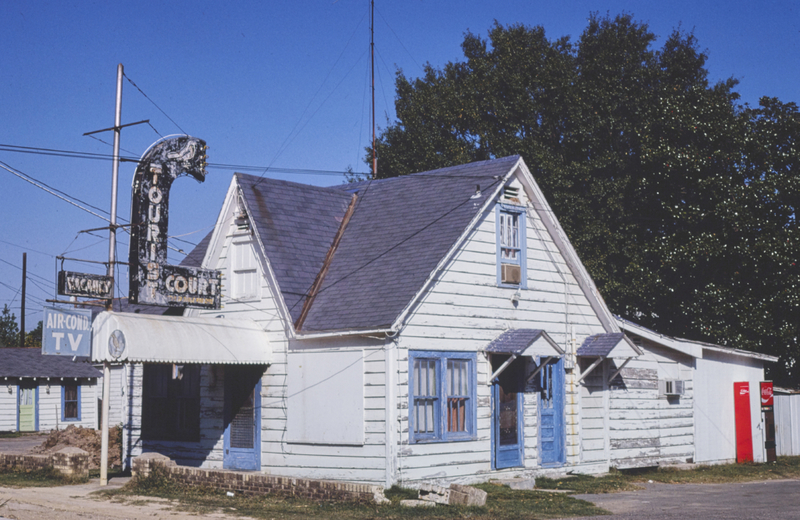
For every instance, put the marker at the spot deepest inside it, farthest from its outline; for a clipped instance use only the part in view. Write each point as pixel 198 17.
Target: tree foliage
pixel 680 202
pixel 9 330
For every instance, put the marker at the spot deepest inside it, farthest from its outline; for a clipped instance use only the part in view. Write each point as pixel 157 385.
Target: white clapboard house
pixel 436 326
pixel 44 393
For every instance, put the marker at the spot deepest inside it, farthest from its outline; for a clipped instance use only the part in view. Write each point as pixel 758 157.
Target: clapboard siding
pixel 646 429
pixel 8 406
pixel 464 310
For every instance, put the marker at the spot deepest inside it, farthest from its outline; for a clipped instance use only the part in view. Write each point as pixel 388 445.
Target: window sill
pixel 440 441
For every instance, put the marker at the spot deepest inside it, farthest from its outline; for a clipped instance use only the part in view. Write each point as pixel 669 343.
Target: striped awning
pixel 148 338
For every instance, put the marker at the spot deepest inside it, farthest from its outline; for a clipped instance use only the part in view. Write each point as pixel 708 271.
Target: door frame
pixel 35 386
pixel 519 448
pixel 242 458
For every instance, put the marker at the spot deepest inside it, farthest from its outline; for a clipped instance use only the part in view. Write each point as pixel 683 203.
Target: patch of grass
pixel 626 480
pixel 10 435
pixel 581 484
pixel 785 467
pixel 38 478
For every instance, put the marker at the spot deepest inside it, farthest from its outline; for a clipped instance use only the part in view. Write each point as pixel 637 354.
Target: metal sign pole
pixel 112 244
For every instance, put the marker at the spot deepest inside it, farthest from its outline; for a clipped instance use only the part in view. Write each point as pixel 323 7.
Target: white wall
pixel 8 405
pixel 787 424
pixel 713 405
pixel 464 311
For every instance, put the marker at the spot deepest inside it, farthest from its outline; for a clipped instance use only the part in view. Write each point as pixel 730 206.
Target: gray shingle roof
pixel 401 229
pixel 29 362
pixel 297 224
pixel 196 255
pixel 514 341
pixel 600 344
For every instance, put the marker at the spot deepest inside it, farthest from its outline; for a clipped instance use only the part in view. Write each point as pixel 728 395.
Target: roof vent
pixel 511 194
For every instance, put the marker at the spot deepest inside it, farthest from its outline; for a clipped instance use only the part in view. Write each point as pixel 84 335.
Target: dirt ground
pixel 86 439
pixel 78 503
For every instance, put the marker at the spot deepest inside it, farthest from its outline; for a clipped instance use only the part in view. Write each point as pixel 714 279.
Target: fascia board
pixel 490 201
pixel 564 246
pixel 659 339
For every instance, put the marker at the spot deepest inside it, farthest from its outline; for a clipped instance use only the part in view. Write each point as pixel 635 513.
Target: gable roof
pixel 368 260
pixel 519 341
pixel 30 362
pixel 689 347
pixel 296 224
pixel 613 344
pixel 400 230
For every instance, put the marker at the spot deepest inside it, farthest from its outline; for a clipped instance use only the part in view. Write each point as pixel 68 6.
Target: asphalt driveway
pixel 768 500
pixel 23 444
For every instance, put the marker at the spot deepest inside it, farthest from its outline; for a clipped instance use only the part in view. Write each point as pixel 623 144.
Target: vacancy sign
pixel 67 332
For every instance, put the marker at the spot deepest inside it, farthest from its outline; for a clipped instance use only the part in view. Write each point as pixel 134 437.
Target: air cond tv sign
pixel 67 332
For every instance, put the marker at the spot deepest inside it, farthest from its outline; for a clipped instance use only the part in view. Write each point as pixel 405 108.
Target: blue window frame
pixel 442 404
pixel 511 250
pixel 71 401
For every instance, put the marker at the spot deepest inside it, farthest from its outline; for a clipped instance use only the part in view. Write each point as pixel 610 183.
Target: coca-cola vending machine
pixel 769 420
pixel 744 432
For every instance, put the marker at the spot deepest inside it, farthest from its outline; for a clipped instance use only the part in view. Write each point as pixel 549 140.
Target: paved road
pixel 21 445
pixel 770 500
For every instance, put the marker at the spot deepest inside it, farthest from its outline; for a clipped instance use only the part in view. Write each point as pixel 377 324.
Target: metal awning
pixel 535 343
pixel 614 345
pixel 177 339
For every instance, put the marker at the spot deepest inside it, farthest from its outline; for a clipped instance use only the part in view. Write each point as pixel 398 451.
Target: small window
pixel 442 396
pixel 71 402
pixel 171 402
pixel 244 272
pixel 510 247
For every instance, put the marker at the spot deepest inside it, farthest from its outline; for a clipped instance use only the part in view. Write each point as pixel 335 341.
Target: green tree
pixel 653 171
pixel 33 339
pixel 9 330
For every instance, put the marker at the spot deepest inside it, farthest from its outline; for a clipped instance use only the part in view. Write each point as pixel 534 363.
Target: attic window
pixel 511 254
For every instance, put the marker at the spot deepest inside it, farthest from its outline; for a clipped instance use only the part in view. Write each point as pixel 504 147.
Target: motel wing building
pixel 436 326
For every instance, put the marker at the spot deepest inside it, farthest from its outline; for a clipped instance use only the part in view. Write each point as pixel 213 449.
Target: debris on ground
pixel 454 495
pixel 86 439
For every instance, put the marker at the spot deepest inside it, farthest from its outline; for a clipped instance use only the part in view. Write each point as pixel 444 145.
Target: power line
pixel 218 166
pixel 154 104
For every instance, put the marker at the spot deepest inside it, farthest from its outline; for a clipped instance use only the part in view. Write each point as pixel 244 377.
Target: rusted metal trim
pixel 315 287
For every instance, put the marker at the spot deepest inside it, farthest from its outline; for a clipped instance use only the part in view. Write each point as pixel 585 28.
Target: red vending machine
pixel 744 431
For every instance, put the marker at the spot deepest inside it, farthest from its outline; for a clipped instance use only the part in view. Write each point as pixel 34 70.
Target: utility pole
pixel 372 52
pixel 112 246
pixel 22 312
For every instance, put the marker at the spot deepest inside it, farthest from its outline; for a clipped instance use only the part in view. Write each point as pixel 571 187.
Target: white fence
pixel 787 424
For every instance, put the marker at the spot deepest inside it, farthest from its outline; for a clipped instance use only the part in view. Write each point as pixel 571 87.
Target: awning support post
pixel 591 367
pixel 615 374
pixel 501 369
pixel 539 368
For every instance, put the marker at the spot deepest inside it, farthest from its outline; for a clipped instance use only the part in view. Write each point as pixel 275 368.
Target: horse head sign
pixel 152 280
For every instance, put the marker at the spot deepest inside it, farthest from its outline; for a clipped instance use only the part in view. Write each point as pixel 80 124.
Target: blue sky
pixel 281 84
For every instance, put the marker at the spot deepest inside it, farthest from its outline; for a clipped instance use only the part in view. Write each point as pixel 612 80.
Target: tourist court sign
pixel 151 280
pixel 67 332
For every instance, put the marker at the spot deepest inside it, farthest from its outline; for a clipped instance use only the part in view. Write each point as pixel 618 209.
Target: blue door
pixel 242 443
pixel 551 414
pixel 507 410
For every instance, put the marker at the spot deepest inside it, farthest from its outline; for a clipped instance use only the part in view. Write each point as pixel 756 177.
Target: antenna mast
pixel 372 52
